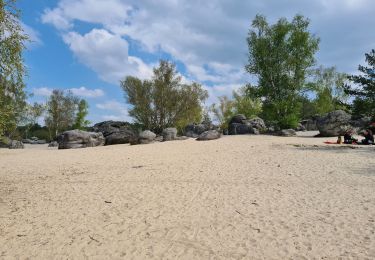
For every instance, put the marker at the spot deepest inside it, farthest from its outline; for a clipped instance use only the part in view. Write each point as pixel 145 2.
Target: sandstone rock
pixel 115 132
pixel 334 123
pixel 169 134
pixel 209 135
pixel 80 139
pixel 53 144
pixel 16 145
pixel 238 119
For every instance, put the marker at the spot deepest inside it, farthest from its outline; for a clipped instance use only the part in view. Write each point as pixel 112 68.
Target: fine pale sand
pixel 239 197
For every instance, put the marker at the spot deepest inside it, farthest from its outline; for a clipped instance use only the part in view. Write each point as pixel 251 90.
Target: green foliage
pixel 61 111
pixel 223 111
pixel 244 104
pixel 280 56
pixel 364 92
pixel 80 121
pixel 31 115
pixel 12 69
pixel 164 101
pixel 328 86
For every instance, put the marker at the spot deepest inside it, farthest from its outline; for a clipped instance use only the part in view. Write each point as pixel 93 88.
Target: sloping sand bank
pixel 239 197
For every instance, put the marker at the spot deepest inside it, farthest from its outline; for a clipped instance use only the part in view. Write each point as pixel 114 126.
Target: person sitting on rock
pixel 348 137
pixel 369 137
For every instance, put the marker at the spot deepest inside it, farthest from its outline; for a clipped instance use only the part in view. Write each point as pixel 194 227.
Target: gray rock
pixel 115 132
pixel 194 130
pixel 80 139
pixel 146 137
pixel 41 142
pixel 287 132
pixel 334 123
pixel 16 145
pixel 238 119
pixel 240 129
pixel 209 135
pixel 53 144
pixel 257 123
pixel 27 141
pixel 169 134
pixel 181 138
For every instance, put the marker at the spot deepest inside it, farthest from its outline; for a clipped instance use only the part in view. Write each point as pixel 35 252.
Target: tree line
pixel 290 85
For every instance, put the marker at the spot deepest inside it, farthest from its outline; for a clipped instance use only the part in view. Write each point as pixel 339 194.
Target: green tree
pixel 244 104
pixel 31 115
pixel 364 91
pixel 80 119
pixel 12 69
pixel 328 86
pixel 164 101
pixel 61 111
pixel 280 55
pixel 223 111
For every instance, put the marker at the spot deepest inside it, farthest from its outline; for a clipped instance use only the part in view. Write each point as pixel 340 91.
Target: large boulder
pixel 80 139
pixel 334 123
pixel 309 124
pixel 194 130
pixel 146 137
pixel 238 119
pixel 257 123
pixel 240 129
pixel 115 132
pixel 16 145
pixel 169 134
pixel 209 135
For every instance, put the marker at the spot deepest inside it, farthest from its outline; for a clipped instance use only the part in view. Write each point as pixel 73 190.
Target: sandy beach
pixel 239 197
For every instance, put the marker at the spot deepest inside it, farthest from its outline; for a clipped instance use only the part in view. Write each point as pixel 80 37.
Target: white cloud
pixel 84 92
pixel 106 54
pixel 118 111
pixel 44 92
pixel 208 37
pixel 34 36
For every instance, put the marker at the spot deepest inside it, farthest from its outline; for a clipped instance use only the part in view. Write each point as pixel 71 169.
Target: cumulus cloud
pixel 106 54
pixel 208 37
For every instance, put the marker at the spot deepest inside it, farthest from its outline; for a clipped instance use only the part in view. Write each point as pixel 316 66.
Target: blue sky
pixel 88 46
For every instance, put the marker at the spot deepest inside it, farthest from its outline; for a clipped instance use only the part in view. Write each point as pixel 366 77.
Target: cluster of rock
pixel 195 130
pixel 6 142
pixel 240 125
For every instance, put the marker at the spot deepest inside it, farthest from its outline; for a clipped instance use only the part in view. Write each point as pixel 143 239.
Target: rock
pixel 53 144
pixel 334 123
pixel 194 130
pixel 169 134
pixel 115 132
pixel 146 137
pixel 159 138
pixel 41 142
pixel 240 129
pixel 16 145
pixel 238 119
pixel 27 141
pixel 287 132
pixel 80 139
pixel 209 135
pixel 257 123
